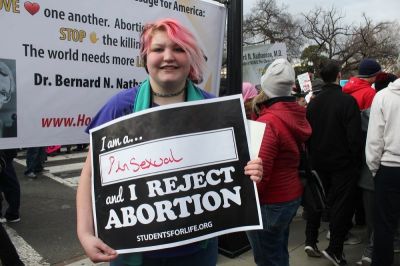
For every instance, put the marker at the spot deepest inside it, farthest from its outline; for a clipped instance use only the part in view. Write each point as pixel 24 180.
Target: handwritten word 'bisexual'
pixel 117 166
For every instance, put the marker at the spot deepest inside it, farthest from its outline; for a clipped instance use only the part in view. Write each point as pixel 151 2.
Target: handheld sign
pixel 305 82
pixel 173 175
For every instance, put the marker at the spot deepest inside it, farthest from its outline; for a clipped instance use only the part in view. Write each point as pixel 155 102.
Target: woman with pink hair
pixel 175 64
pixel 249 91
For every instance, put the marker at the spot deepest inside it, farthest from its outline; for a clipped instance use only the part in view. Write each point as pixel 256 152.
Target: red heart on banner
pixel 32 8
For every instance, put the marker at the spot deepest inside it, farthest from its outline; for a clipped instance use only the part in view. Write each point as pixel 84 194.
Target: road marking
pixel 27 254
pixel 53 170
pixel 71 182
pixel 64 167
pixel 61 157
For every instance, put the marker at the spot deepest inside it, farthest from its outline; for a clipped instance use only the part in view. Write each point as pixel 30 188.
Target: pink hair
pixel 182 37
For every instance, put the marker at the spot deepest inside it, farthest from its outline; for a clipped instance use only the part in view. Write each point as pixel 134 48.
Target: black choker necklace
pixel 166 95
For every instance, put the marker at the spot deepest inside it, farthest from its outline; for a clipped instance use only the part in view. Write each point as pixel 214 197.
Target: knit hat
pixel 278 79
pixel 248 91
pixel 368 68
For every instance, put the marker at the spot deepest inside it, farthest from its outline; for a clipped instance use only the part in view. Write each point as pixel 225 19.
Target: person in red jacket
pixel 360 87
pixel 280 189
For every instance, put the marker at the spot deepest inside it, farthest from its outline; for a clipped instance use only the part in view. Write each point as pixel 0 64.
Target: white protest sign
pixel 256 59
pixel 156 186
pixel 69 57
pixel 305 82
pixel 256 130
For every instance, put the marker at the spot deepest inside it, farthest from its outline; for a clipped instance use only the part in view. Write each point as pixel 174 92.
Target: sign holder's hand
pixel 254 169
pixel 97 250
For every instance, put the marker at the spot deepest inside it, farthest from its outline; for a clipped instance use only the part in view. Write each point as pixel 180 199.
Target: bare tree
pixel 269 23
pixel 376 40
pixel 350 44
pixel 326 29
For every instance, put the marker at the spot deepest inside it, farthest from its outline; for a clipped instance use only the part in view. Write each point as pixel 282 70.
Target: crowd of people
pixel 349 150
pixel 352 148
pixel 349 133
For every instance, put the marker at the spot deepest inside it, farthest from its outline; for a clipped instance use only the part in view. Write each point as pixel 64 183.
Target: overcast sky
pixel 378 10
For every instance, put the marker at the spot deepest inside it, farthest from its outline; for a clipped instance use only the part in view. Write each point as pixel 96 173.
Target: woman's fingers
pixel 254 169
pixel 97 250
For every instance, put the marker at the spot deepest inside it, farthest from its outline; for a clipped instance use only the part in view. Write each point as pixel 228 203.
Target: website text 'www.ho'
pixel 81 120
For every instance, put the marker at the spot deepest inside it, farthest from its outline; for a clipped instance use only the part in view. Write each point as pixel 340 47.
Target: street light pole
pixel 234 244
pixel 234 46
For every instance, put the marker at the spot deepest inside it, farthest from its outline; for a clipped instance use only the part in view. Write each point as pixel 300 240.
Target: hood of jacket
pixel 292 115
pixel 394 87
pixel 356 84
pixel 361 90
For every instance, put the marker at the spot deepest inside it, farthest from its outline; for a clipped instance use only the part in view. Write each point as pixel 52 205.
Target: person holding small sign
pixel 280 190
pixel 174 63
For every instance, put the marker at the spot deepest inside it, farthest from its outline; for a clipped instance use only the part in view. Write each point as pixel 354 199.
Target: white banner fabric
pixel 69 57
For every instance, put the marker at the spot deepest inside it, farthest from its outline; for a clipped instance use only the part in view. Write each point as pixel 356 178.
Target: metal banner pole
pixel 234 47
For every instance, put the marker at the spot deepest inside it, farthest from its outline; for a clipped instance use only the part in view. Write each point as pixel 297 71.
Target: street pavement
pixel 46 234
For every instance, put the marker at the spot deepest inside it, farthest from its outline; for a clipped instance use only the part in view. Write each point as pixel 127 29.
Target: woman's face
pixel 167 63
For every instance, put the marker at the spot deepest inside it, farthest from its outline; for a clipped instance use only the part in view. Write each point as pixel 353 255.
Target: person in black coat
pixel 335 149
pixel 10 187
pixel 8 253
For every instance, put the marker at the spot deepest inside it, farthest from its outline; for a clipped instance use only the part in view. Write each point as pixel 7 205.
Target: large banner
pixel 60 61
pixel 256 59
pixel 173 175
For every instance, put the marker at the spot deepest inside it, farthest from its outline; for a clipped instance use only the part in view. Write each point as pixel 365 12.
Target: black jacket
pixel 8 154
pixel 336 140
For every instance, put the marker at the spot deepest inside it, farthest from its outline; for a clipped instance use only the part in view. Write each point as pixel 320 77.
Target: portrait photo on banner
pixel 8 98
